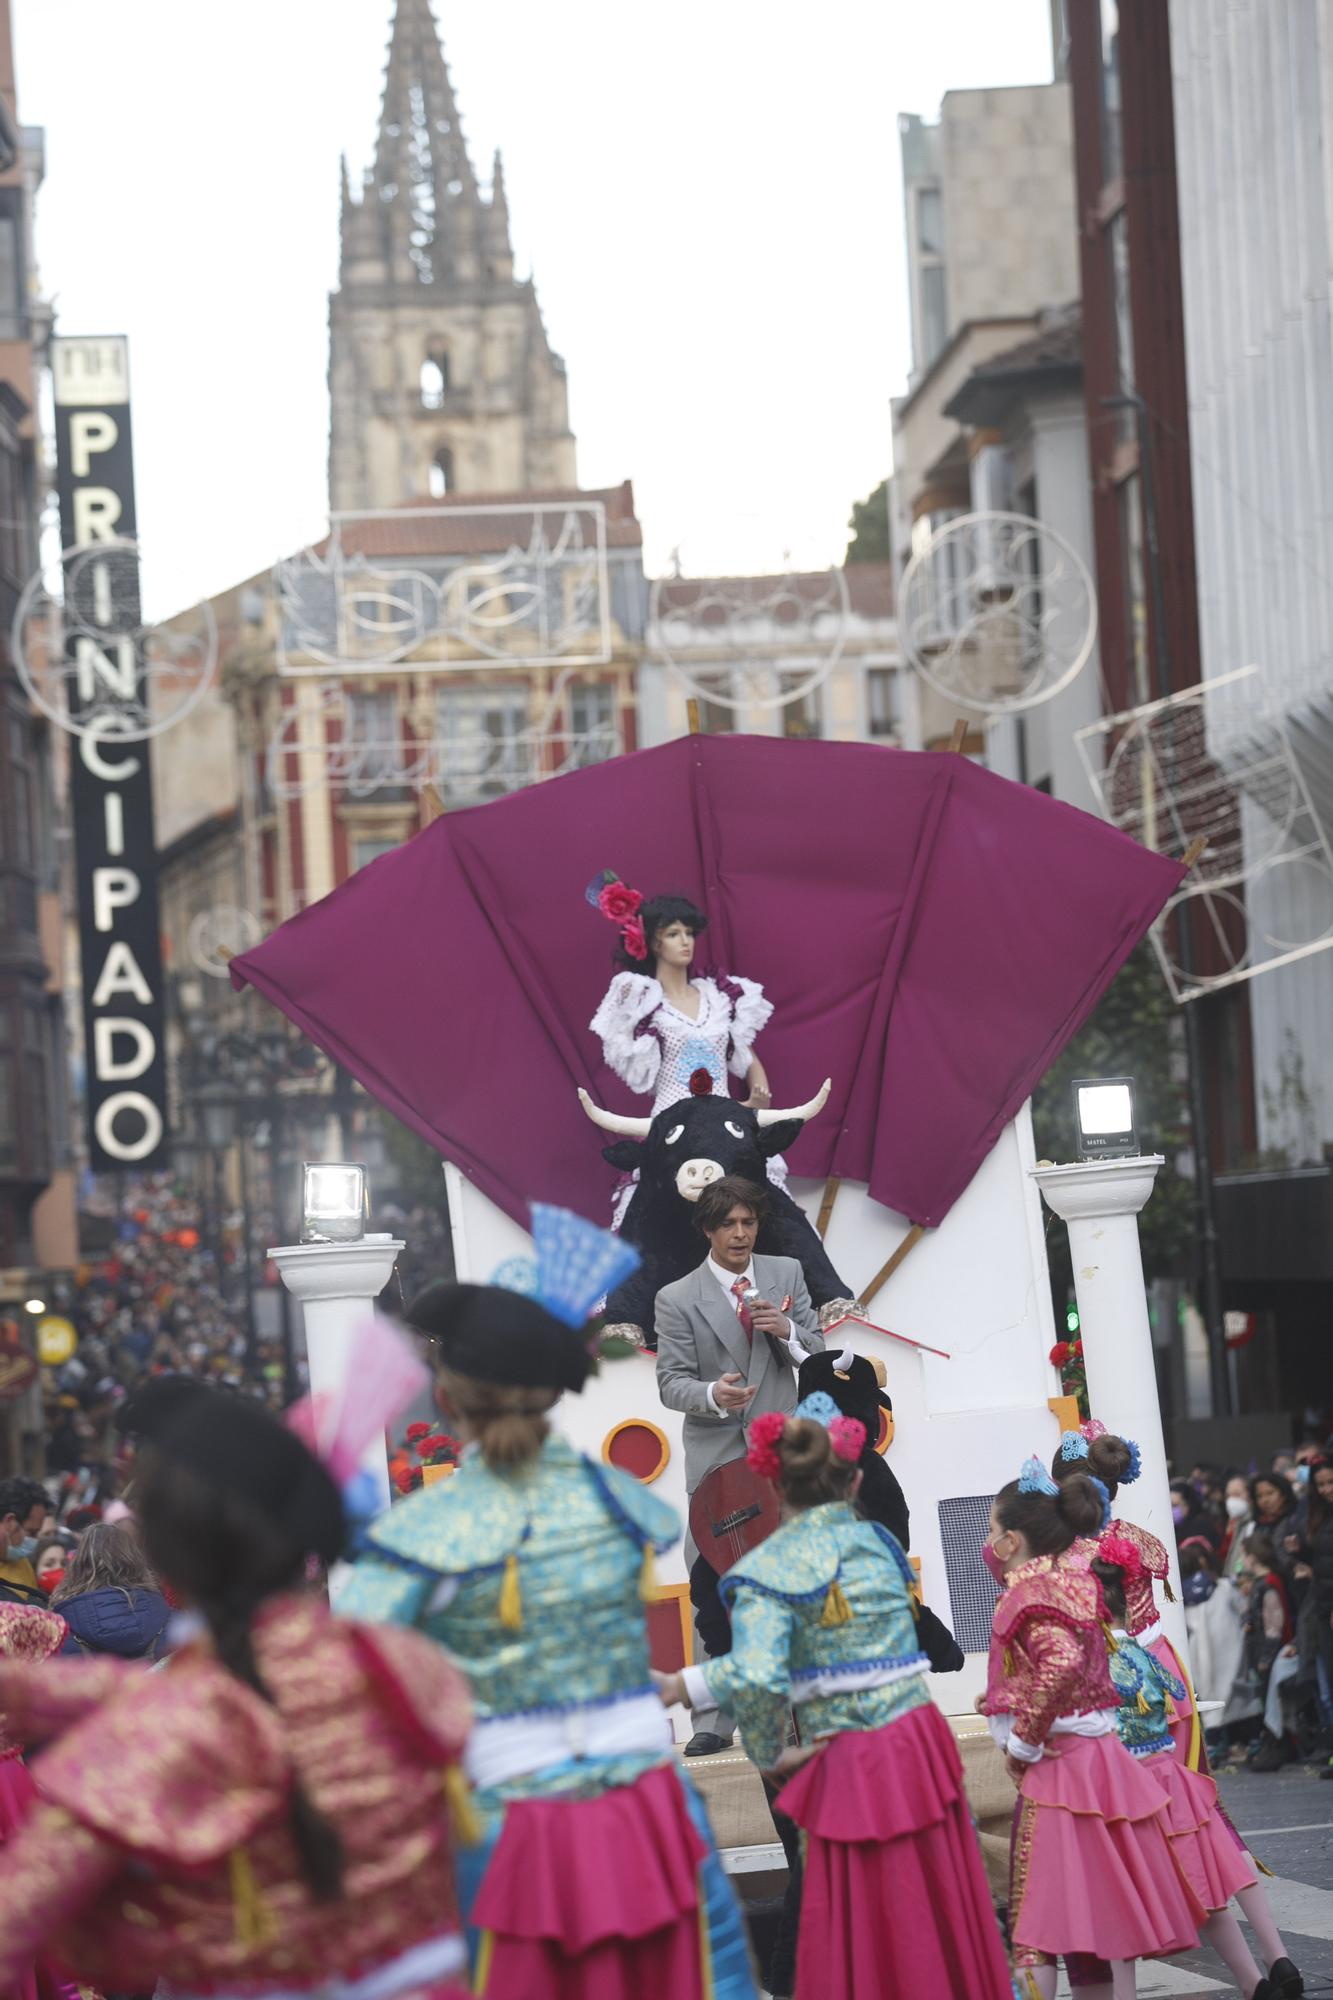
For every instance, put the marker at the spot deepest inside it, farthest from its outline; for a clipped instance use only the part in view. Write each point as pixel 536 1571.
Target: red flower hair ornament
pixel 762 1444
pixel 1121 1552
pixel 619 904
pixel 847 1435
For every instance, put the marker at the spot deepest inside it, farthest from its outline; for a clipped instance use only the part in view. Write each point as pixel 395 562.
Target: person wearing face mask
pixel 23 1508
pixel 1088 1816
pixel 53 1553
pixel 1240 1520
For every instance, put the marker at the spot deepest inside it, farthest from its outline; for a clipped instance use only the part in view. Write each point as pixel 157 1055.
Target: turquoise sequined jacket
pixel 1147 1692
pixel 570 1535
pixel 821 1566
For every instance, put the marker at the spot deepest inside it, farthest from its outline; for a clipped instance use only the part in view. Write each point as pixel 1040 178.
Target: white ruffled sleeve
pixel 750 1013
pixel 621 1021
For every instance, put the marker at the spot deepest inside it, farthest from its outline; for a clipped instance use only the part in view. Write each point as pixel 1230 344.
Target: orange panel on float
pixel 637 1447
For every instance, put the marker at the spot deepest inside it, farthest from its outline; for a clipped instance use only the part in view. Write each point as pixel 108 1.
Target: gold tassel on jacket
pixel 511 1597
pixel 253 1920
pixel 837 1611
pixel 1169 1593
pixel 1008 1660
pixel 463 1817
pixel 648 1575
pixel 1142 1704
pixel 1112 1643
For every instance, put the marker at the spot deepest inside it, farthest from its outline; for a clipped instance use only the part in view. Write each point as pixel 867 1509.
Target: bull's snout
pixel 693 1176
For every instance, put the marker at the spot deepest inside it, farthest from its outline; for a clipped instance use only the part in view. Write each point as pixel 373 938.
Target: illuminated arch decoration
pixel 637 1447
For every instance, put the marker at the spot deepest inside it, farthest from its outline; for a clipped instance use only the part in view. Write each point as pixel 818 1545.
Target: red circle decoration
pixel 637 1447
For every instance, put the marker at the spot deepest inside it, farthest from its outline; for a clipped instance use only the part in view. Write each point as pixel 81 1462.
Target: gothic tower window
pixel 434 381
pixel 442 473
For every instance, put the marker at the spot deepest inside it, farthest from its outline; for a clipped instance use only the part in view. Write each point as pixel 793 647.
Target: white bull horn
pixel 614 1121
pixel 809 1110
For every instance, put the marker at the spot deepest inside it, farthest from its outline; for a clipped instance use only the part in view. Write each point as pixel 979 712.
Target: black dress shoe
pixel 1285 1980
pixel 704 1743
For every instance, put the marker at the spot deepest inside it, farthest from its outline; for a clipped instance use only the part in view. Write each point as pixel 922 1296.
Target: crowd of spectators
pixel 1256 1561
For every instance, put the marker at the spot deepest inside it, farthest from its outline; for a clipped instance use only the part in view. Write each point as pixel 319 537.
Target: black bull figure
pixel 677 1155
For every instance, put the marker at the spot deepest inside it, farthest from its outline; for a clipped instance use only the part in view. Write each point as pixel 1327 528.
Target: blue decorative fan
pixel 576 1262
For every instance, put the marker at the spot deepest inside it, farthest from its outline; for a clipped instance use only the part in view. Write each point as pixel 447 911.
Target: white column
pixel 1099 1202
pixel 337 1283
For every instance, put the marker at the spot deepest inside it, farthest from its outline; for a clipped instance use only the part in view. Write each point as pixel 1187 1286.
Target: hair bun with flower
pixel 1120 1552
pixel 761 1453
pixel 620 905
pixel 1135 1466
pixel 1073 1445
pixel 847 1435
pixel 1093 1428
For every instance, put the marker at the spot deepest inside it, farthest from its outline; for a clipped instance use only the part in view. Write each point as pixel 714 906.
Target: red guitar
pixel 731 1510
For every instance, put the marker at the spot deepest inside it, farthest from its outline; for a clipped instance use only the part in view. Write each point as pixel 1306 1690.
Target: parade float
pixel 930 937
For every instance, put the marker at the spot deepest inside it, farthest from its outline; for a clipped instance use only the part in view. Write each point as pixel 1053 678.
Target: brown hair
pixel 1112 1580
pixel 106 1556
pixel 812 1474
pixel 1051 1522
pixel 1109 1459
pixel 716 1202
pixel 508 1423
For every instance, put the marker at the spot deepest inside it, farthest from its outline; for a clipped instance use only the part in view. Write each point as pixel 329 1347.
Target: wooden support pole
pixel 881 1278
pixel 1194 850
pixel 692 715
pixel 959 737
pixel 831 1186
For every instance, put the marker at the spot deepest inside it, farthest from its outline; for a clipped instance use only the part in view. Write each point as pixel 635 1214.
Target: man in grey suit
pixel 729 1339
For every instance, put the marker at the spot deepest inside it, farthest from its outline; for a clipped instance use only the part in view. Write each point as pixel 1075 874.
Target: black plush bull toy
pixel 677 1154
pixel 852 1381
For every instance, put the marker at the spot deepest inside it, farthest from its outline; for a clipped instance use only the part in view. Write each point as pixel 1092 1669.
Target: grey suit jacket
pixel 700 1338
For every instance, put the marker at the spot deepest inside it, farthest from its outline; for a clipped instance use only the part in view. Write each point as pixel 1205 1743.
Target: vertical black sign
pixel 111 782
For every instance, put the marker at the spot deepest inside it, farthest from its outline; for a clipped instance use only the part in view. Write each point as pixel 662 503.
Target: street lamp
pixel 333 1201
pixel 1104 1118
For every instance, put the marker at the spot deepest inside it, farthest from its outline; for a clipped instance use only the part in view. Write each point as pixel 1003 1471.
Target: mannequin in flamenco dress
pixel 1113 1462
pixel 1087 1812
pixel 894 1896
pixel 659 1026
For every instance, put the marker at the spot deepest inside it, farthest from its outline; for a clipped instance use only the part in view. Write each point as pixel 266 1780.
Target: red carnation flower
pixel 701 1083
pixel 633 939
pixel 405 1480
pixel 424 1447
pixel 619 902
pixel 415 1431
pixel 1077 1350
pixel 762 1440
pixel 1060 1353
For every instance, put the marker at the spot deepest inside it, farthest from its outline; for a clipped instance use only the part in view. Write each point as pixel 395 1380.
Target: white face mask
pixel 1237 1506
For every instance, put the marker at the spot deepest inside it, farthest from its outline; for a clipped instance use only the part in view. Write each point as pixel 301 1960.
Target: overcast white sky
pixel 708 192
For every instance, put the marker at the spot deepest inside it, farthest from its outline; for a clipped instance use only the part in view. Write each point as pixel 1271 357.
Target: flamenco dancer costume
pixel 595 1876
pixel 31 1635
pixel 894 1898
pixel 163 1847
pixel 1092 1868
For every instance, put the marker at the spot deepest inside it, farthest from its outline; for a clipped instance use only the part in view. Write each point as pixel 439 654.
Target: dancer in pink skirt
pixel 823 1621
pixel 1202 1844
pixel 33 1635
pixel 1113 1462
pixel 1092 1868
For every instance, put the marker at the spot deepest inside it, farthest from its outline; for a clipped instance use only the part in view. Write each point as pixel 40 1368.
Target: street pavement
pixel 1287 1821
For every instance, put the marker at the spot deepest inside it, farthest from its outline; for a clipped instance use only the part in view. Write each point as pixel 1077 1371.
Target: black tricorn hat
pixel 493 1335
pixel 236 1448
pixel 851 1381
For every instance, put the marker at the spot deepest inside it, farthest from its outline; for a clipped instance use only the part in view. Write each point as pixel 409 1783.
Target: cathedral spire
pixel 499 254
pixel 422 179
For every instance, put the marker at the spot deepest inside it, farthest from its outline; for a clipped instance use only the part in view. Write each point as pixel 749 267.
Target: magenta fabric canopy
pixel 931 936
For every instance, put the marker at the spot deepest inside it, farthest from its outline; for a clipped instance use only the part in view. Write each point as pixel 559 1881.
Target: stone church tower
pixel 441 377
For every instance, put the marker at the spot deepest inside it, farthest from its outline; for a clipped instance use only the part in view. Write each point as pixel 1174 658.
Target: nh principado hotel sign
pixel 111 782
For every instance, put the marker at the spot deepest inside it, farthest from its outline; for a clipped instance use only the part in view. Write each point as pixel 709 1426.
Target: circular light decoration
pixel 56 1340
pixel 92 664
pixel 997 612
pixel 218 935
pixel 637 1447
pixel 746 642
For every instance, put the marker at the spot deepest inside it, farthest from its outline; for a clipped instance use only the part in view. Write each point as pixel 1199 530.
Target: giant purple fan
pixel 931 936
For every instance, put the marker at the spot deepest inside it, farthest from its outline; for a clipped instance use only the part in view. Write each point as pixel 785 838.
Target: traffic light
pixel 1072 1321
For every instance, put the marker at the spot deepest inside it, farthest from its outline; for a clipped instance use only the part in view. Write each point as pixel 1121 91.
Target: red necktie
pixel 739 1289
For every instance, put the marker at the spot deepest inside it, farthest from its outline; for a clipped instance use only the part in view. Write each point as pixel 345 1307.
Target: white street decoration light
pixel 1104 1117
pixel 333 1201
pixel 750 641
pixel 95 669
pixel 997 612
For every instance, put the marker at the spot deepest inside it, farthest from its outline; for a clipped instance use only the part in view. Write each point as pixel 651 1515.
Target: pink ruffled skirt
pixel 1183 1728
pixel 894 1898
pixel 1093 1868
pixel 595 1899
pixel 1203 1844
pixel 17 1792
